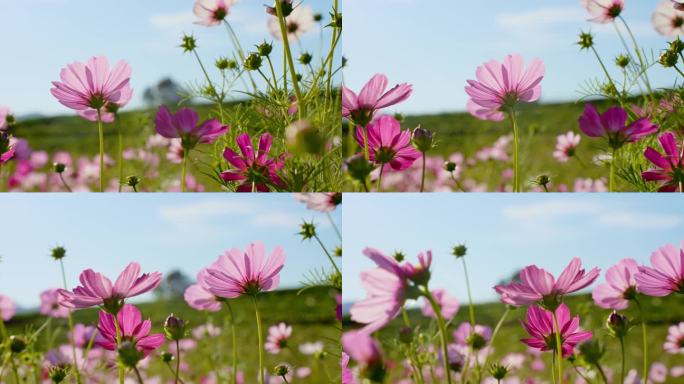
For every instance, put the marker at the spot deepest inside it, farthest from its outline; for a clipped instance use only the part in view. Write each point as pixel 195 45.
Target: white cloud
pixel 276 219
pixel 204 210
pixel 549 209
pixel 538 18
pixel 638 220
pixel 173 21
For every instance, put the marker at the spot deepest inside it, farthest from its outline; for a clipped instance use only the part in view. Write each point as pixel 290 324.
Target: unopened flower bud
pixel 318 17
pixel 188 43
pixel 17 343
pixel 498 371
pixel 449 166
pixel 542 180
pixel 421 139
pixel 586 40
pixel 129 355
pixel 58 374
pixel 337 252
pixel 359 168
pixel 618 325
pixel 677 46
pixel 58 253
pixel 668 59
pixel 252 62
pixel 591 351
pixel 459 250
pixel 305 58
pixel 222 63
pixel 622 61
pixel 307 230
pixel 174 327
pixel 264 48
pixel 281 370
pixel 167 357
pixel 399 256
pixel 132 181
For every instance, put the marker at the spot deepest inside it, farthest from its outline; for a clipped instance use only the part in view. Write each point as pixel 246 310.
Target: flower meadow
pixel 254 121
pixel 543 331
pixel 232 324
pixel 624 134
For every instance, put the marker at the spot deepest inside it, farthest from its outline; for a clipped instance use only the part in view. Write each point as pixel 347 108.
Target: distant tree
pixel 173 286
pixel 167 91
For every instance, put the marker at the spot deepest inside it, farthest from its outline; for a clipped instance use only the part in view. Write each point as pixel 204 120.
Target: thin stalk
pixel 442 332
pixel 365 143
pixel 559 349
pixel 238 47
pixel 87 350
pixel 332 222
pixel 644 338
pixel 553 368
pixel 327 253
pixel 233 334
pixel 206 75
pixel 118 341
pixel 137 374
pixel 641 60
pixel 64 183
pixel 622 363
pixel 288 55
pixel 583 376
pixel 422 177
pixel 178 359
pixel 71 325
pixel 184 169
pixel 15 370
pixel 101 130
pixel 516 160
pixel 285 379
pixel 270 64
pixel 678 70
pixel 605 70
pixel 471 307
pixel 611 180
pixel 602 373
pixel 378 188
pixel 496 332
pixel 332 52
pixel 120 157
pixel 259 334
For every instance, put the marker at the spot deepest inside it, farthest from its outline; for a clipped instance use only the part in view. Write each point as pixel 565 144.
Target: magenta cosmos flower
pixel 612 125
pixel 388 144
pixel 565 146
pixel 603 11
pixel 97 289
pixel 6 118
pixel 669 166
pixel 385 296
pixel 668 19
pixel 132 328
pixel 185 125
pixel 50 304
pixel 372 98
pixel 92 87
pixel 6 148
pixel 211 12
pixel 620 286
pixel 539 286
pixel 254 170
pixel 277 338
pixel 674 343
pixel 666 273
pixel 362 348
pixel 448 304
pixel 477 336
pixel 501 86
pixel 238 273
pixel 539 325
pixel 199 297
pixel 321 202
pixel 347 374
pixel 7 308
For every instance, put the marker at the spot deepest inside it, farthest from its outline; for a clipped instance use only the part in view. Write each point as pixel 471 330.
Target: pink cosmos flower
pixel 463 335
pixel 299 22
pixel 97 289
pixel 132 328
pixel 500 86
pixel 620 286
pixel 255 170
pixel 238 273
pixel 92 87
pixel 277 338
pixel 603 11
pixel 5 118
pixel 565 146
pixel 669 166
pixel 206 330
pixel 321 202
pixel 612 125
pixel 362 348
pixel 82 334
pixel 211 12
pixel 184 125
pixel 539 324
pixel 311 348
pixel 199 297
pixel 385 296
pixel 657 373
pixel 668 19
pixel 388 144
pixel 6 148
pixel 537 285
pixel 448 304
pixel 666 273
pixel 362 108
pixel 674 343
pixel 50 304
pixel 7 308
pixel 347 374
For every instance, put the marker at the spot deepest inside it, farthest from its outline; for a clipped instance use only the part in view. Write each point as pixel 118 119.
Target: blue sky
pixel 505 232
pixel 437 44
pixel 161 231
pixel 42 36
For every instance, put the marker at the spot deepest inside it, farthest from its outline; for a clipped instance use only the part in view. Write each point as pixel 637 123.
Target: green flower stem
pixel 288 56
pixel 64 183
pixel 15 370
pixel 259 334
pixel 559 349
pixel 553 368
pixel 442 332
pixel 641 59
pixel 178 359
pixel 422 176
pixel 378 188
pixel 471 307
pixel 118 341
pixel 327 253
pixel 516 160
pixel 270 64
pixel 365 142
pixel 238 47
pixel 87 350
pixel 332 223
pixel 138 375
pixel 71 326
pixel 233 335
pixel 184 169
pixel 644 337
pixel 622 363
pixel 206 76
pixel 120 158
pixel 495 333
pixel 332 52
pixel 605 70
pixel 611 180
pixel 599 368
pixel 101 131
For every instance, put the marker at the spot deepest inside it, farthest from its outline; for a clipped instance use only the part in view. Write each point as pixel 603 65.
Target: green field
pixel 661 313
pixel 311 315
